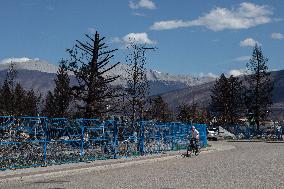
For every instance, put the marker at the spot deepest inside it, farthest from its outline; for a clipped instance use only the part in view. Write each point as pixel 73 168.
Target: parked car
pixel 212 134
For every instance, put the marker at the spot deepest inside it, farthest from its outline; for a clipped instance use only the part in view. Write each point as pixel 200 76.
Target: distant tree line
pixel 14 100
pixel 192 113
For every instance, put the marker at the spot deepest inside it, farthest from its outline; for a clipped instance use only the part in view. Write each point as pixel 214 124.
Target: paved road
pixel 248 165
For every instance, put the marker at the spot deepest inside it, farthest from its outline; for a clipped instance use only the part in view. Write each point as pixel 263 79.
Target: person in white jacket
pixel 194 139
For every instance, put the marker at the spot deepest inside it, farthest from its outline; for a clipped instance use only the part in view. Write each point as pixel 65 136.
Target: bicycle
pixel 192 148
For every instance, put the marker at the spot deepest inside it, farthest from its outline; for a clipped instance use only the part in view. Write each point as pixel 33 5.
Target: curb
pixel 99 165
pixel 275 142
pixel 255 141
pixel 86 166
pixel 245 141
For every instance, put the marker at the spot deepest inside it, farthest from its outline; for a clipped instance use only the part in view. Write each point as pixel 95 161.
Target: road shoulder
pixel 99 165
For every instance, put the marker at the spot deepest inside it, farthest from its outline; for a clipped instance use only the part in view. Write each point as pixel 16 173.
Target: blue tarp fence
pixel 41 141
pixel 249 132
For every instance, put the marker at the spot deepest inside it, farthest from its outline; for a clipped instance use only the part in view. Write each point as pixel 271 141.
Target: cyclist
pixel 194 139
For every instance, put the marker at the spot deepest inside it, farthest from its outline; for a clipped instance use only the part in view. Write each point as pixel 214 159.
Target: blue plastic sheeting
pixel 37 141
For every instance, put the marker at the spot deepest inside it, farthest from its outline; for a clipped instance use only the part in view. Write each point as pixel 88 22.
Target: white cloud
pixel 242 59
pixel 138 37
pixel 170 24
pixel 20 60
pixel 249 42
pixel 247 15
pixel 208 75
pixel 239 72
pixel 212 75
pixel 277 36
pixel 116 40
pixel 141 38
pixel 147 4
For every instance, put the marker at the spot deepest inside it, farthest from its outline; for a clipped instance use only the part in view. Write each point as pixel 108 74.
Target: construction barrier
pixel 41 141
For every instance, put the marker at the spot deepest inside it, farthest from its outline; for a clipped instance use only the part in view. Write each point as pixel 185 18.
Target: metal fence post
pixel 82 141
pixel 159 135
pixel 172 135
pixel 142 138
pixel 115 139
pixel 205 133
pixel 44 152
pixel 45 141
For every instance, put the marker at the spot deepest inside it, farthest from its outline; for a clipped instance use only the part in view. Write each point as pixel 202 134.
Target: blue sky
pixel 192 37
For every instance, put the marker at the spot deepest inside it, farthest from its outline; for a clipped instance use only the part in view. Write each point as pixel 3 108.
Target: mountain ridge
pixel 175 89
pixel 159 82
pixel 200 94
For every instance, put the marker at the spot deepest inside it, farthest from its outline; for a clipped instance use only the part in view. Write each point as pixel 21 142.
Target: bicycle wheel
pixel 189 151
pixel 197 151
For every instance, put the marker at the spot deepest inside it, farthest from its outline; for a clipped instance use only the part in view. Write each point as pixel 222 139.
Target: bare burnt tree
pixel 90 63
pixel 11 76
pixel 260 86
pixel 137 88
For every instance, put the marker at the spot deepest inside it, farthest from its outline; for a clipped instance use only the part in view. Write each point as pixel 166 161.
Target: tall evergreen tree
pixel 227 97
pixel 190 113
pixel 19 100
pixel 49 105
pixel 62 91
pixel 260 86
pixel 184 113
pixel 159 109
pixel 57 103
pixel 31 103
pixel 6 98
pixel 90 63
pixel 1 102
pixel 236 99
pixel 219 95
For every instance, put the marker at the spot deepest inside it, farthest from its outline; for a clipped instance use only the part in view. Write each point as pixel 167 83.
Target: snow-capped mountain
pixel 159 82
pixel 166 78
pixel 29 64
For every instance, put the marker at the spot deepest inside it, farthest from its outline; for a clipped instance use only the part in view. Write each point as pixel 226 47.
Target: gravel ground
pixel 248 165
